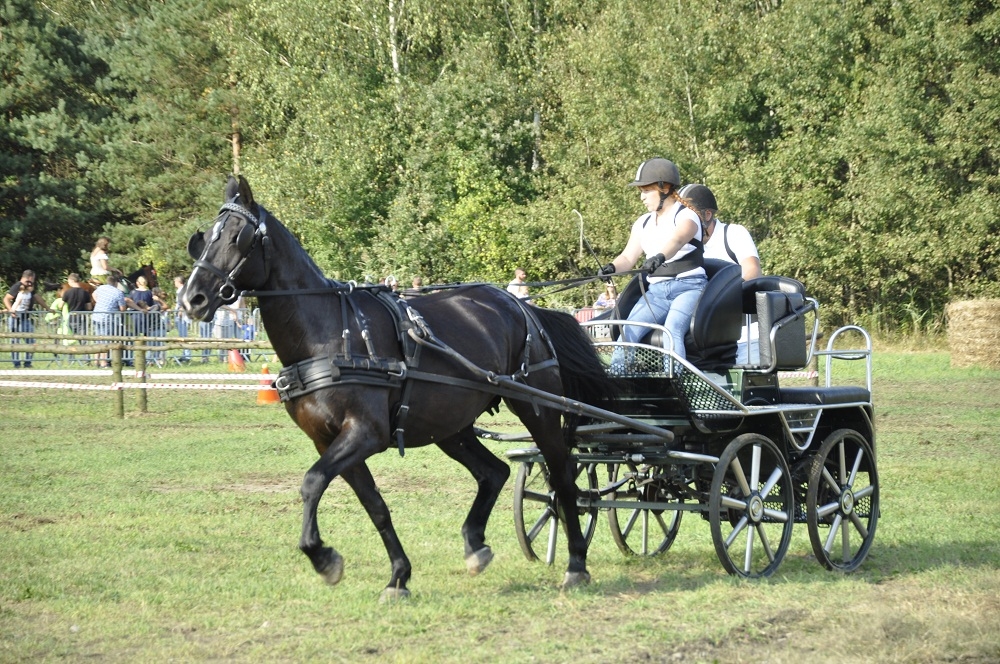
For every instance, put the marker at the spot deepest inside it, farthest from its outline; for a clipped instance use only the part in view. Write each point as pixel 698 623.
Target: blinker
pixel 245 239
pixel 196 245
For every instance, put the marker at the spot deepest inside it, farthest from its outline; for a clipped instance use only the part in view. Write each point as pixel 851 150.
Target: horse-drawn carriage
pixel 628 428
pixel 749 455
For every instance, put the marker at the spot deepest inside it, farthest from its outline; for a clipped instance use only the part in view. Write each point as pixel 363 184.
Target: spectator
pixel 77 299
pixel 732 243
pixel 518 286
pixel 100 265
pixel 156 322
pixel 416 288
pixel 181 319
pixel 19 302
pixel 607 299
pixel 109 303
pixel 226 323
pixel 391 283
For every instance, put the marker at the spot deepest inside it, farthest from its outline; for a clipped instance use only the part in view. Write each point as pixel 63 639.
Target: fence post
pixel 116 376
pixel 140 375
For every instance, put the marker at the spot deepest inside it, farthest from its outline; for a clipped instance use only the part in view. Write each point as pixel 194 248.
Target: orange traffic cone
pixel 236 361
pixel 268 394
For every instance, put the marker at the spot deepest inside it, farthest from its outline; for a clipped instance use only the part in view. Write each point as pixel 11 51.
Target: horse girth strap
pixel 316 373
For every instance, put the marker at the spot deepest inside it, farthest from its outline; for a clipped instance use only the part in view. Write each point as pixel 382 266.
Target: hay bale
pixel 974 333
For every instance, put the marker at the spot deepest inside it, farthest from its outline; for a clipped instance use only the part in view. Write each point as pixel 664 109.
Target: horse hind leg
pixel 490 474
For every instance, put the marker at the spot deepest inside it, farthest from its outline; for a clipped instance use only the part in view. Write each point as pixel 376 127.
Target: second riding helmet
pixel 656 171
pixel 700 195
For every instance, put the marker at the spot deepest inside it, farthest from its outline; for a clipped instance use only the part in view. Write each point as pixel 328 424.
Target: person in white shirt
pixel 518 286
pixel 669 236
pixel 732 243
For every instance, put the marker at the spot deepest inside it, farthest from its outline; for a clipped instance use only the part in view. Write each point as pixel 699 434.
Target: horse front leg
pixel 490 474
pixel 344 453
pixel 360 479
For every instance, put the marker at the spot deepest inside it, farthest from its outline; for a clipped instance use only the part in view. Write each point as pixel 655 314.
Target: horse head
pixel 234 256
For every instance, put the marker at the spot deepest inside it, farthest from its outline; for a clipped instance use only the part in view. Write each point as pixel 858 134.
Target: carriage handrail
pixel 848 354
pixel 668 340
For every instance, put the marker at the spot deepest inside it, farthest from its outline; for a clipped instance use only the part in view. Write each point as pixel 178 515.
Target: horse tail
pixel 582 372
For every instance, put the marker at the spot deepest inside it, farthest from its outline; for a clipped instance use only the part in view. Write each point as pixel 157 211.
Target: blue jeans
pixel 670 303
pixel 21 322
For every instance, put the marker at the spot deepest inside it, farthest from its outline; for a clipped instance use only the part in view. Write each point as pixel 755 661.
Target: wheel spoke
pixel 645 533
pixel 859 525
pixel 734 503
pixel 765 542
pixel 828 509
pixel 737 529
pixel 537 496
pixel 845 540
pixel 741 478
pixel 664 526
pixel 857 464
pixel 842 462
pixel 550 554
pixel 771 481
pixel 630 524
pixel 537 528
pixel 755 468
pixel 748 552
pixel 828 478
pixel 864 492
pixel 776 515
pixel 828 546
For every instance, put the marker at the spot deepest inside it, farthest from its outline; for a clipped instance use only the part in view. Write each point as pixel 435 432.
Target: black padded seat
pixel 825 396
pixel 717 320
pixel 768 283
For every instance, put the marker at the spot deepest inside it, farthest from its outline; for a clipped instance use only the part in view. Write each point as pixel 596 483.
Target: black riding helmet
pixel 700 195
pixel 658 171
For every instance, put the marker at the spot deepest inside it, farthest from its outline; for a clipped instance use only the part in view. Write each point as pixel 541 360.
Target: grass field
pixel 171 536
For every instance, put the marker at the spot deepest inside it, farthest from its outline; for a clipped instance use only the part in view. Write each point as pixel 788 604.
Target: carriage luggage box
pixel 790 339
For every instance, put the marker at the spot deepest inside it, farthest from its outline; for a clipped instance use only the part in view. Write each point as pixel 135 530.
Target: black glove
pixel 654 262
pixel 606 270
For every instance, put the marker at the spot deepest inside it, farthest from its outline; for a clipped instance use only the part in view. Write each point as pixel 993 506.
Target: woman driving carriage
pixel 669 235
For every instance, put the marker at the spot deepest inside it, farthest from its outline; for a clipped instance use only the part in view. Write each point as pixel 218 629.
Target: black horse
pixel 365 371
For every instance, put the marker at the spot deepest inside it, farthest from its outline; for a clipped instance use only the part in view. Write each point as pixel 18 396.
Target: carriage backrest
pixel 771 299
pixel 717 322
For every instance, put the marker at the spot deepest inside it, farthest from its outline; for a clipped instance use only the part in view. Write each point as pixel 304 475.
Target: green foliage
pixel 857 140
pixel 49 143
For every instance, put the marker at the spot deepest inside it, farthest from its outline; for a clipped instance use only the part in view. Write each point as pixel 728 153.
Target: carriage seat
pixel 771 299
pixel 716 324
pixel 825 396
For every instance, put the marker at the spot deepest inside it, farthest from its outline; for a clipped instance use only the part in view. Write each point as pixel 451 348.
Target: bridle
pixel 252 235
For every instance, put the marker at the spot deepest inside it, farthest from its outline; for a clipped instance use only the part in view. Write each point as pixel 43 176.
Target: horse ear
pixel 232 188
pixel 246 196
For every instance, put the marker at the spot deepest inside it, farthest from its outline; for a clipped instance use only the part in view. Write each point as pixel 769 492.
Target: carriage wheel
pixel 751 506
pixel 842 501
pixel 642 531
pixel 537 512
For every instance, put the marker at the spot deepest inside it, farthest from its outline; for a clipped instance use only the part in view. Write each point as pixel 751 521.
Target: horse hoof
pixel 333 570
pixel 392 595
pixel 575 579
pixel 477 562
